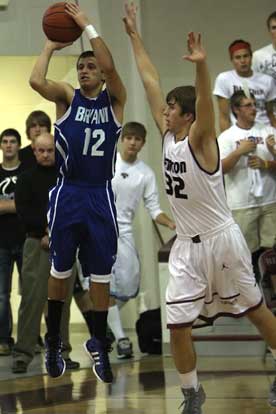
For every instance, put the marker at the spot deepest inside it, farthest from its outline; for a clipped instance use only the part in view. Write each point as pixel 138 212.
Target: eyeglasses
pixel 248 105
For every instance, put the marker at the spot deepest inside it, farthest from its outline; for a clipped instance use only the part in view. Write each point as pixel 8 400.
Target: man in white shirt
pixel 243 77
pixel 264 59
pixel 133 181
pixel 249 168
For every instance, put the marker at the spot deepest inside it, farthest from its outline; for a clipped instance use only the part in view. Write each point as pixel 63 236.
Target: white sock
pixel 114 321
pixel 189 380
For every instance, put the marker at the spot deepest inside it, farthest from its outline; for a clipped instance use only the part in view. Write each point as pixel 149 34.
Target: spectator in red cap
pixel 243 77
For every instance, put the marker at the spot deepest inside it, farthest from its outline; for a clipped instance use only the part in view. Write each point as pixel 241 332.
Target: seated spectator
pixel 243 77
pixel 11 232
pixel 249 169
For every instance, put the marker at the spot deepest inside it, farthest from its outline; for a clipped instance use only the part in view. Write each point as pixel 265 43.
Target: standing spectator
pixel 11 232
pixel 31 197
pixel 242 77
pixel 249 169
pixel 264 59
pixel 37 123
pixel 133 181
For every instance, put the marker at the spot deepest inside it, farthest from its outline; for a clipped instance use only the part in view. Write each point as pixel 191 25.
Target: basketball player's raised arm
pixel 104 59
pixel 50 90
pixel 147 70
pixel 224 113
pixel 204 126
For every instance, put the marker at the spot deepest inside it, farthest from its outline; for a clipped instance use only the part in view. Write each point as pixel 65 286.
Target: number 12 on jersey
pixel 96 138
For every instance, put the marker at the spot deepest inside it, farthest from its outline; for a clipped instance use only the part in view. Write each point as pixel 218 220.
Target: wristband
pixel 266 165
pixel 91 32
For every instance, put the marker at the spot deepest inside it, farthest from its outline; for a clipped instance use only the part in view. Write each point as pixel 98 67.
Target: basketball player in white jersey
pixel 210 264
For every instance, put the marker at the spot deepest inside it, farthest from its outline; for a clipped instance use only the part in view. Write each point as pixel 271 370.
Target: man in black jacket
pixel 31 199
pixel 11 232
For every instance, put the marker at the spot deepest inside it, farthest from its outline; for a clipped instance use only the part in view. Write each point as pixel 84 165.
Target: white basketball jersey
pixel 197 198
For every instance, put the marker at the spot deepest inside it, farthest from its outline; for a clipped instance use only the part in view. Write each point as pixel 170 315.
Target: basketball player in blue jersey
pixel 210 264
pixel 81 212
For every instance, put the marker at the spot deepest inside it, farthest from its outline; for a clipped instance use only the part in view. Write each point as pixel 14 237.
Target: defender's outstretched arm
pixel 148 72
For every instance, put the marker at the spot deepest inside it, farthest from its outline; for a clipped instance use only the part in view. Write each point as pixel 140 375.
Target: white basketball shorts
pixel 210 278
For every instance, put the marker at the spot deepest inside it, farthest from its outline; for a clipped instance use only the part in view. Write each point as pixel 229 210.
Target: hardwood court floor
pixel 144 385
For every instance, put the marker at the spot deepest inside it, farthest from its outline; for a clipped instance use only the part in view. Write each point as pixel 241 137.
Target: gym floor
pixel 143 385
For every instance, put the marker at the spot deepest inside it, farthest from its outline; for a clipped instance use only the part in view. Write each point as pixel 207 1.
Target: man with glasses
pixel 249 167
pixel 243 77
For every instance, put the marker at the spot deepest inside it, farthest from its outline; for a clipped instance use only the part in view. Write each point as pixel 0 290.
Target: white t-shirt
pixel 197 198
pixel 238 181
pixel 132 183
pixel 264 61
pixel 262 86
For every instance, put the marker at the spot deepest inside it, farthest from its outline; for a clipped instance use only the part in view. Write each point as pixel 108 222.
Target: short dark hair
pixel 185 96
pixel 85 54
pixel 236 99
pixel 243 45
pixel 10 132
pixel 134 128
pixel 272 16
pixel 40 118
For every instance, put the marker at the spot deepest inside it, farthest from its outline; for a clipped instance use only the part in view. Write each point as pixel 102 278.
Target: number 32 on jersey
pixel 175 186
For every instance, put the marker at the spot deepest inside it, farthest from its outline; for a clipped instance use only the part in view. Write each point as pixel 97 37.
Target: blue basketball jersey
pixel 86 138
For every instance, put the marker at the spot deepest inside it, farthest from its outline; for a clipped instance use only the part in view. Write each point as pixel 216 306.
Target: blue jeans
pixel 8 257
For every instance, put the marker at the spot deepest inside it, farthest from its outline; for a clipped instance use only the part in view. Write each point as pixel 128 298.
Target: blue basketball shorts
pixel 84 218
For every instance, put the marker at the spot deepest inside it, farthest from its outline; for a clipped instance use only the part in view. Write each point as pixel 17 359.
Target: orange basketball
pixel 58 25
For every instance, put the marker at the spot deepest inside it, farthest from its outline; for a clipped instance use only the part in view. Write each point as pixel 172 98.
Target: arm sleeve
pixel 221 87
pixel 271 92
pixel 225 146
pixel 255 63
pixel 151 197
